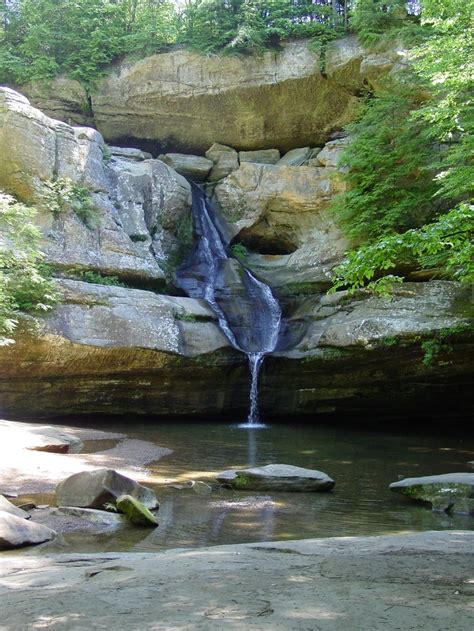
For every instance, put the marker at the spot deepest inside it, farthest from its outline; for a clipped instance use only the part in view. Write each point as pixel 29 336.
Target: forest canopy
pixel 42 38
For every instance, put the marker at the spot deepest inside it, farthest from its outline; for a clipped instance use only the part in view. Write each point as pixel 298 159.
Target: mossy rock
pixel 136 512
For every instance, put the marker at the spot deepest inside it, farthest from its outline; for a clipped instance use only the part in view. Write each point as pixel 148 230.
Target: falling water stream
pixel 247 312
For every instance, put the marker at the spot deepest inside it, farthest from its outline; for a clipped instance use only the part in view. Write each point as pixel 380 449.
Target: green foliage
pixel 374 19
pixel 40 39
pixel 239 251
pixel 411 174
pixel 440 343
pixel 447 241
pixel 390 187
pixel 62 194
pixel 245 25
pixel 23 284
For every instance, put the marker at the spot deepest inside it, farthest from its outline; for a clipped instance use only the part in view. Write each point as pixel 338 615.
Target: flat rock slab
pixel 421 581
pixel 39 437
pixel 277 477
pixel 16 532
pixel 426 488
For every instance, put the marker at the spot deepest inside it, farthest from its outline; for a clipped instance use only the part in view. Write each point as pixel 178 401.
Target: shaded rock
pixel 470 464
pixel 225 164
pixel 136 512
pixel 129 153
pixel 275 209
pixel 295 157
pixel 216 150
pixel 453 505
pixel 60 98
pixel 261 156
pixel 16 532
pixel 8 507
pixel 277 477
pixel 195 168
pixel 426 488
pixel 330 154
pixel 265 100
pixel 92 515
pixel 94 489
pixel 365 321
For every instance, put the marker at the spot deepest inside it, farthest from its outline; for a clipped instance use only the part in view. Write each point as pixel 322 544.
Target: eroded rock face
pixel 138 204
pixel 279 208
pixel 280 99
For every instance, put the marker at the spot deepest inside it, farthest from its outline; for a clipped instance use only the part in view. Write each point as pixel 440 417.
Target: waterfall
pixel 247 312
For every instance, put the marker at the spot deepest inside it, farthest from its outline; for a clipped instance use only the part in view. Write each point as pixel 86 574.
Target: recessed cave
pixel 265 243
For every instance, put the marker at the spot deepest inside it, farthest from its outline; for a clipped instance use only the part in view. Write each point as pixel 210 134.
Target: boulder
pixel 195 168
pixel 277 477
pixel 129 153
pixel 94 489
pixel 330 154
pixel 427 488
pixel 295 157
pixel 261 156
pixel 136 512
pixel 453 505
pixel 216 150
pixel 225 164
pixel 8 507
pixel 275 209
pixel 135 202
pixel 16 532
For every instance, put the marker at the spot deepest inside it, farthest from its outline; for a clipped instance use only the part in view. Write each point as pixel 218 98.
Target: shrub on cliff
pixel 24 285
pixel 411 177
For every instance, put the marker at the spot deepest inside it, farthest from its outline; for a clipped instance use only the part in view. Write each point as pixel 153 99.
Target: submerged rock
pixel 450 492
pixel 136 512
pixel 16 532
pixel 94 489
pixel 8 507
pixel 277 477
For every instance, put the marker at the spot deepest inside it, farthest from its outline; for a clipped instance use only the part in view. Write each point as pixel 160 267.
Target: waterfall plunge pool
pixel 363 462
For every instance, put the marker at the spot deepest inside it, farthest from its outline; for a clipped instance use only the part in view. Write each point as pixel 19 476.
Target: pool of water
pixel 362 462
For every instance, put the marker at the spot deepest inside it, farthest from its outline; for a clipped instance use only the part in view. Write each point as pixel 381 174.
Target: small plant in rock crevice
pixel 62 194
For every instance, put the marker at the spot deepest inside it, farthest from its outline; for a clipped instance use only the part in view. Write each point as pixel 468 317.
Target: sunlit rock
pixel 277 477
pixel 16 532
